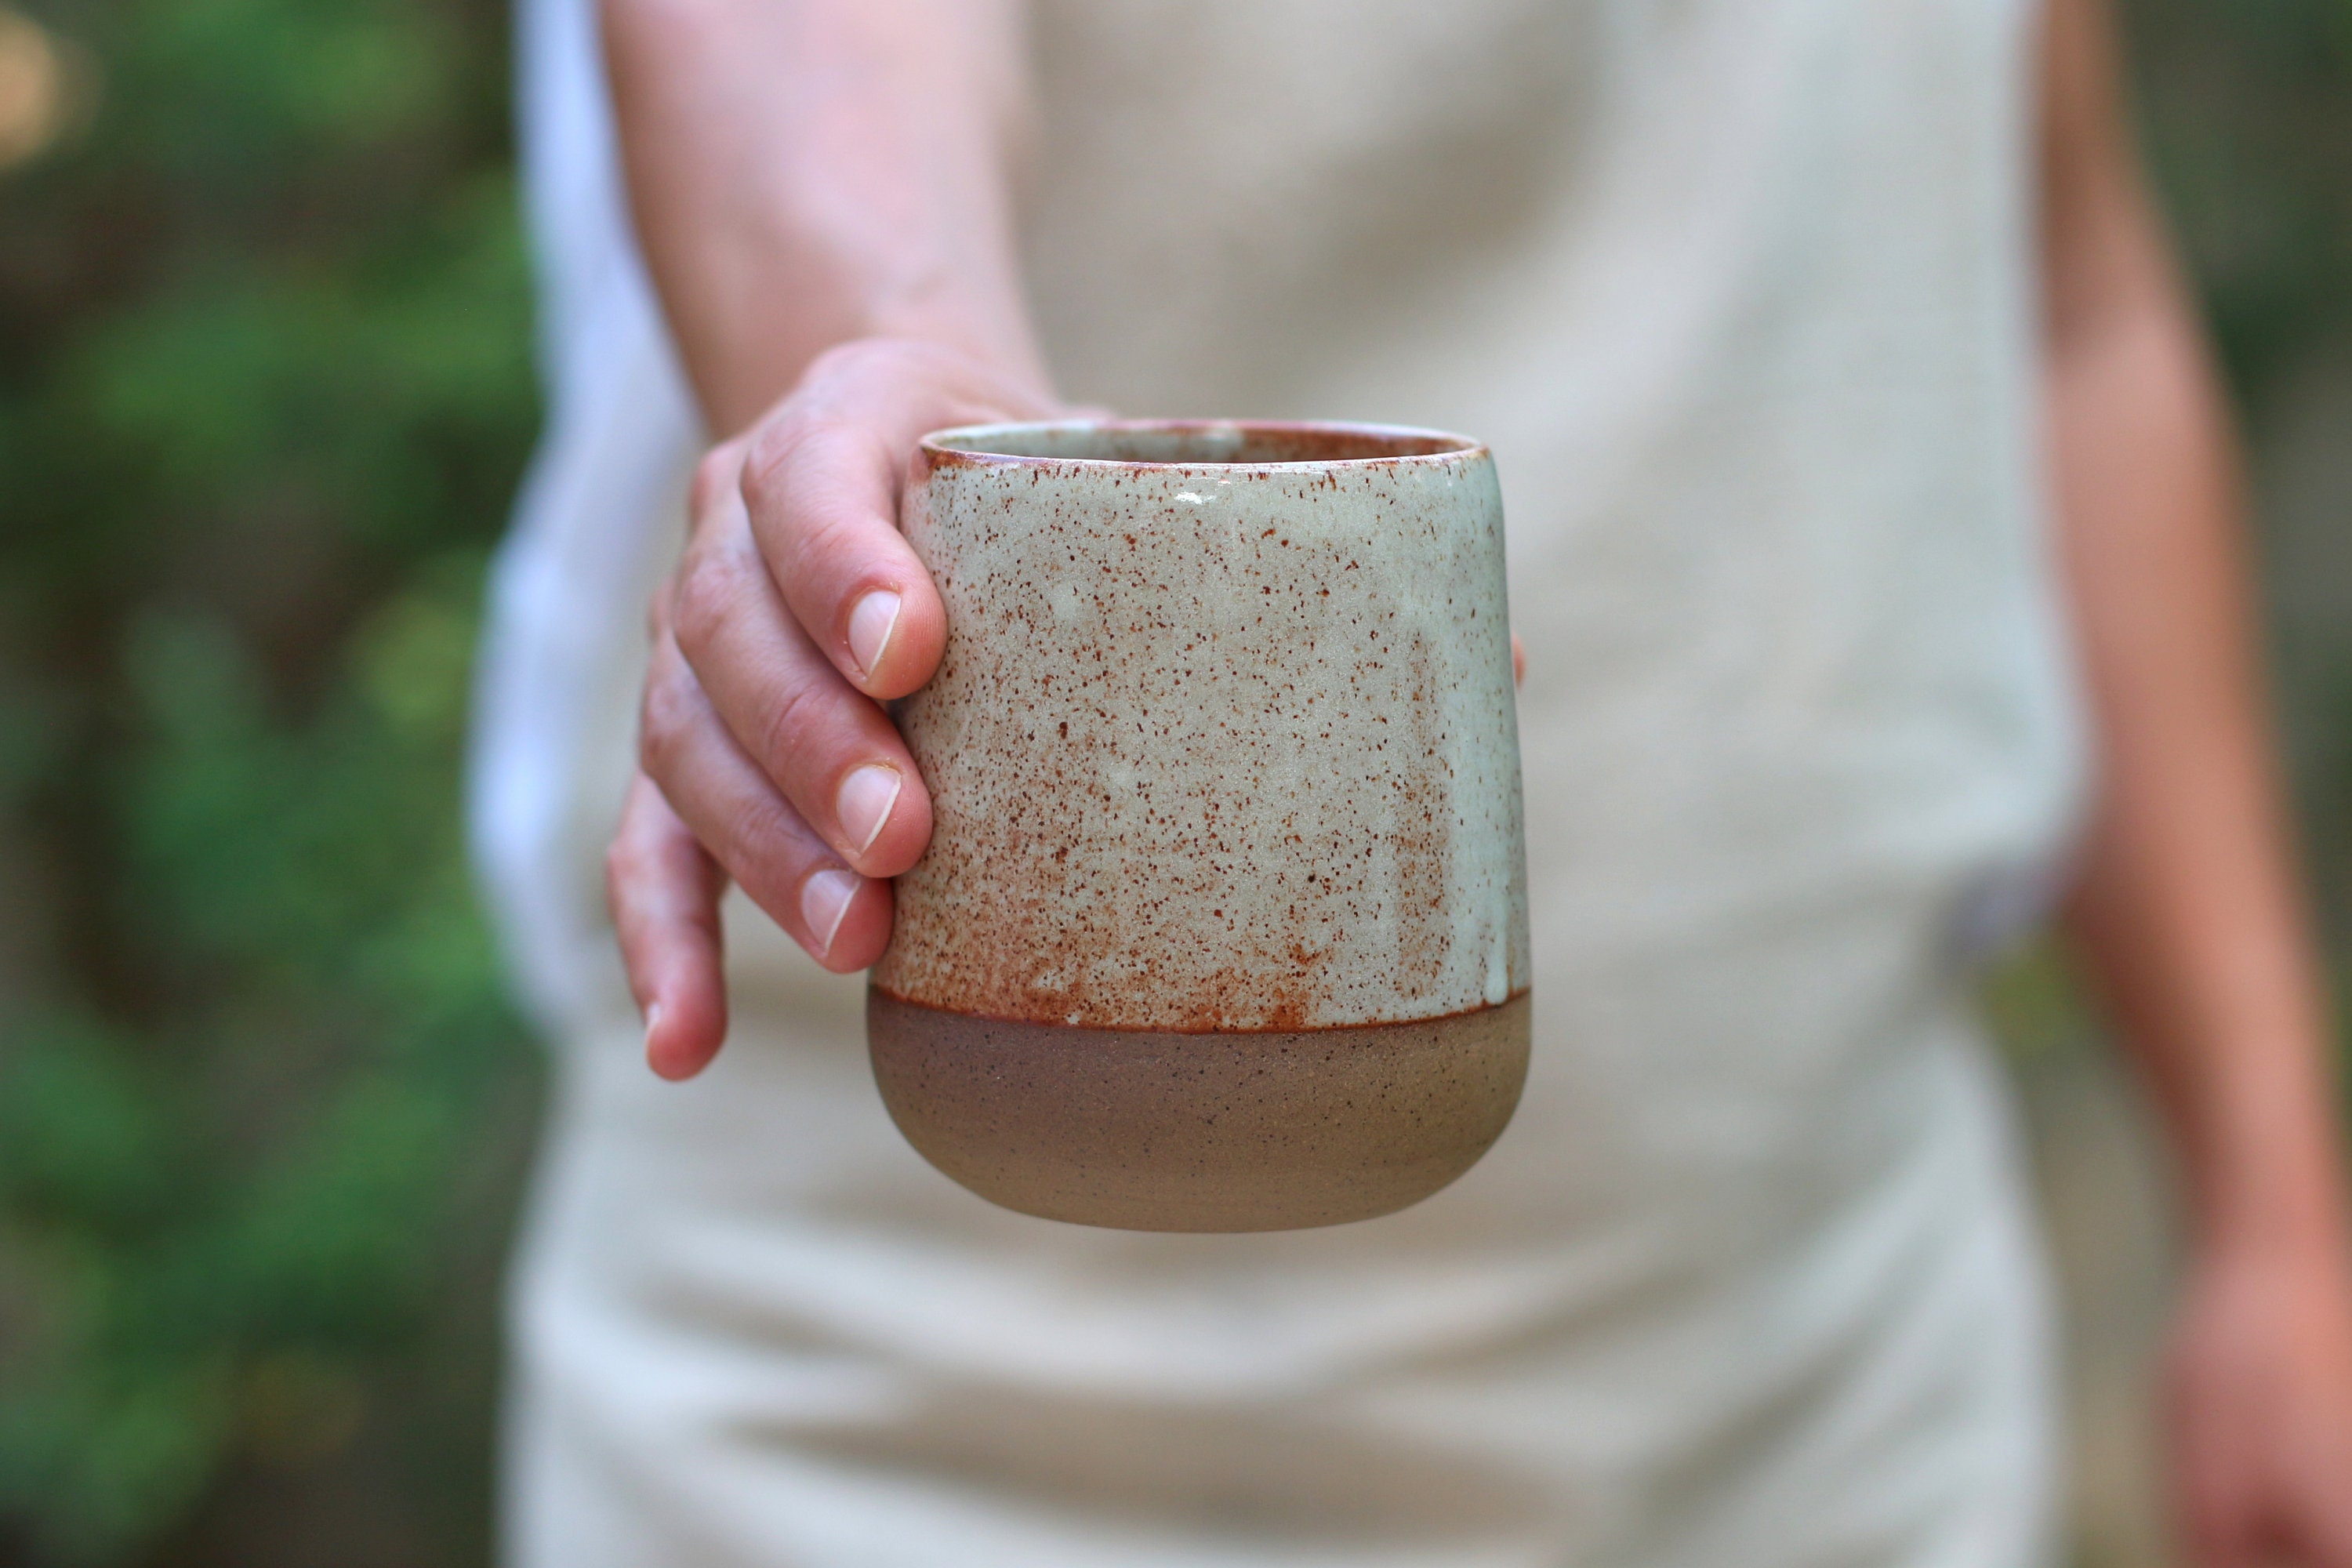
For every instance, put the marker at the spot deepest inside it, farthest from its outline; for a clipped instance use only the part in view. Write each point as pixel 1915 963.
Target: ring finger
pixel 753 832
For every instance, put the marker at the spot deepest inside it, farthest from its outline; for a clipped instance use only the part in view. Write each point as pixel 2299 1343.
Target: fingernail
pixel 870 625
pixel 825 899
pixel 864 802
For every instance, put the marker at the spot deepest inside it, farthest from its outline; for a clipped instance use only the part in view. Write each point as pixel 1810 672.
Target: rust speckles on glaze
pixel 1199 717
pixel 1223 745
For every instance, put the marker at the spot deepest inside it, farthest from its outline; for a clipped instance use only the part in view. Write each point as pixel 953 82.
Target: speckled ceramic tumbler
pixel 1222 926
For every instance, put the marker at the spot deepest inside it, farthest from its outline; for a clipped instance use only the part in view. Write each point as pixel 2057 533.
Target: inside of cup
pixel 1201 443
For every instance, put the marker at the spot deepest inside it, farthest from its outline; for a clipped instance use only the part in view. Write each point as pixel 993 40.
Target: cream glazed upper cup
pixel 1222 925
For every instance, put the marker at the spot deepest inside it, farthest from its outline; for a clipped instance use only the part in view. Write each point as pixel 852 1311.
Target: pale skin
pixel 2187 915
pixel 824 193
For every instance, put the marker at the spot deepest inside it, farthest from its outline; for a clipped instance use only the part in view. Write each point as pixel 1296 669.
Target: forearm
pixel 2187 911
pixel 806 172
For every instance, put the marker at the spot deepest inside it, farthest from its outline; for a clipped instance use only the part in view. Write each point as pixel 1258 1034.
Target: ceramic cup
pixel 1222 925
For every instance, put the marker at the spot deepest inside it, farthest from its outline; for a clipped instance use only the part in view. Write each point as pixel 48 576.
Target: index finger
pixel 821 483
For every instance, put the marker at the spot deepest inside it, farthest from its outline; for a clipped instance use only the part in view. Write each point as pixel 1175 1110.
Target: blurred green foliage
pixel 264 395
pixel 265 392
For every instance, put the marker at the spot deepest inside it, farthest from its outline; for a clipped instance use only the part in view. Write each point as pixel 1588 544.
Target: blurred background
pixel 264 392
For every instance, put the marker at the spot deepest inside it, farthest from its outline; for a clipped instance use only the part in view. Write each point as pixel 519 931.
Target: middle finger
pixel 830 749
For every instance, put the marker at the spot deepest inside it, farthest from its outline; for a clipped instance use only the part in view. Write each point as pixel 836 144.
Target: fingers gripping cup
pixel 1222 926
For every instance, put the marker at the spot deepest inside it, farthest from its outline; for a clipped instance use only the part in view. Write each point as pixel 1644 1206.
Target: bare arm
pixel 823 190
pixel 2188 914
pixel 807 172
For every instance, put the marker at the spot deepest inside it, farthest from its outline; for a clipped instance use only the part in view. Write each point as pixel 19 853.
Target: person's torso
pixel 1740 294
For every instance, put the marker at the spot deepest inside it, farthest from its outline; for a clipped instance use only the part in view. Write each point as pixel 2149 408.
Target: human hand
pixel 764 753
pixel 2259 1389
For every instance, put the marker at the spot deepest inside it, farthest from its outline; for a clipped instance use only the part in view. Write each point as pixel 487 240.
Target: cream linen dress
pixel 1740 291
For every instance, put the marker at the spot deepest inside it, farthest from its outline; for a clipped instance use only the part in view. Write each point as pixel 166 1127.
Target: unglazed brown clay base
pixel 1149 1129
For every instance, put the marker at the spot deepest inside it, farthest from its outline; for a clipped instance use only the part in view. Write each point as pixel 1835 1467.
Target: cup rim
pixel 955 446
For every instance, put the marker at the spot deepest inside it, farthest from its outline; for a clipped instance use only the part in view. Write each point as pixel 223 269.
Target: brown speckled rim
pixel 1330 444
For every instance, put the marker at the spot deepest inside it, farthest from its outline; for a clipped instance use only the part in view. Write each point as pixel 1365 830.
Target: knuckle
pixel 772 826
pixel 653 748
pixel 662 722
pixel 708 593
pixel 826 536
pixel 768 460
pixel 785 734
pixel 765 846
pixel 712 476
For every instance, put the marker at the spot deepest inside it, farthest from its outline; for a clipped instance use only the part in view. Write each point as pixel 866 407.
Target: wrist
pixel 764 311
pixel 2279 1192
